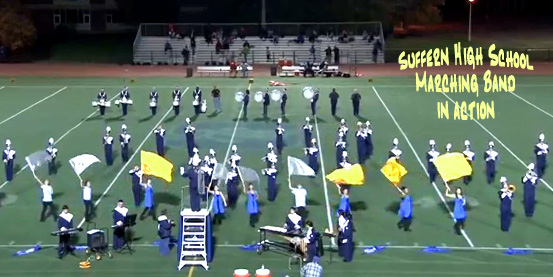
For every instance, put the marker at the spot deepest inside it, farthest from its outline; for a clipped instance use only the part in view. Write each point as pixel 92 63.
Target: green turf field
pixel 34 109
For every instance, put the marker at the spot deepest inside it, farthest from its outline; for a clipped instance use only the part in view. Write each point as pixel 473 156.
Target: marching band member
pixel 490 156
pixel 459 212
pixel 136 176
pixel 189 131
pixel 216 94
pixel 245 103
pixel 119 214
pixel 87 200
pixel 266 102
pixel 124 96
pixel 345 162
pixel 345 236
pixel 431 156
pixel 153 101
pixel 307 132
pixel 108 146
pixel 148 200
pixel 312 155
pixel 177 94
pixel 251 205
pixel 300 199
pixel 271 157
pixel 541 150
pixel 47 199
pixel 343 128
pixel 355 100
pixel 340 147
pixel 368 140
pixel 102 98
pixel 164 226
pixel 234 160
pixel 124 139
pixel 65 222
pixel 344 199
pixel 160 140
pixel 52 152
pixel 212 163
pixel 271 174
pixel 469 155
pixel 197 99
pixel 193 175
pixel 8 157
pixel 232 185
pixel 333 101
pixel 530 181
pixel 279 136
pixel 208 175
pixel 448 148
pixel 405 210
pixel 310 240
pixel 505 198
pixel 195 157
pixel 283 100
pixel 361 137
pixel 218 205
pixel 395 151
pixel 293 222
pixel 313 101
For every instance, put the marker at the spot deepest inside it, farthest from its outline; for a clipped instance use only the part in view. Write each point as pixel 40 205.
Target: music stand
pixel 128 222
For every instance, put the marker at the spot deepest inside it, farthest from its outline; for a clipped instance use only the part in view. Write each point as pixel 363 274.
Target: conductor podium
pixel 195 238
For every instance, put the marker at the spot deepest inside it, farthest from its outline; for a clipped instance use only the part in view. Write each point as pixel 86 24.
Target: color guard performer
pixel 234 159
pixel 361 137
pixel 153 101
pixel 136 176
pixel 47 199
pixel 271 157
pixel 355 100
pixel 490 156
pixel 395 151
pixel 87 200
pixel 52 152
pixel 469 155
pixel 124 97
pixel 218 205
pixel 283 100
pixel 164 226
pixel 197 99
pixel 312 154
pixel 160 140
pixel 190 131
pixel 232 186
pixel 307 132
pixel 119 214
pixel 333 101
pixel 108 146
pixel 271 174
pixel 8 156
pixel 431 156
pixel 344 199
pixel 459 213
pixel 368 141
pixel 405 210
pixel 340 148
pixel 149 207
pixel 266 102
pixel 102 98
pixel 124 139
pixel 345 236
pixel 293 222
pixel 279 136
pixel 300 199
pixel 177 95
pixel 530 181
pixel 192 173
pixel 313 101
pixel 541 150
pixel 506 199
pixel 65 222
pixel 251 205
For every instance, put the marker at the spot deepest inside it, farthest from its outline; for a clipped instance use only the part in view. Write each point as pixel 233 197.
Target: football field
pixel 35 109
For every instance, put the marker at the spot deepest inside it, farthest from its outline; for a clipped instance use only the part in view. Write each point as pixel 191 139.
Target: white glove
pixel 63 229
pixel 119 223
pixel 181 170
pixel 344 240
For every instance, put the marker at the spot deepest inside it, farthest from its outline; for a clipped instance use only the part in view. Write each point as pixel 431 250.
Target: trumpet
pixel 512 188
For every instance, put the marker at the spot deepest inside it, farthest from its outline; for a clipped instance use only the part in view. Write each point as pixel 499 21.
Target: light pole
pixel 470 17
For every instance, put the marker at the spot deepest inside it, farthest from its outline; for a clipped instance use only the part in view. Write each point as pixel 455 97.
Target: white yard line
pixel 60 138
pixel 130 160
pixel 327 202
pixel 2 87
pixel 528 102
pixel 32 105
pixel 469 241
pixel 500 142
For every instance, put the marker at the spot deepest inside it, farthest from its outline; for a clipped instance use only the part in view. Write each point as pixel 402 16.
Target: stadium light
pixel 470 17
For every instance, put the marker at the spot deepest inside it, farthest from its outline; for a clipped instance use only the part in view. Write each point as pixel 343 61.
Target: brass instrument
pixel 512 188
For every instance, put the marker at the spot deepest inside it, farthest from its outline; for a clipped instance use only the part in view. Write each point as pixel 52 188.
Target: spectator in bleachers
pixel 168 47
pixel 312 51
pixel 365 35
pixel 226 43
pixel 218 47
pixel 268 54
pixel 376 47
pixel 185 55
pixel 246 44
pixel 336 55
pixel 328 53
pixel 193 45
pixel 371 38
pixel 245 52
pixel 244 69
pixel 233 34
pixel 242 33
pixel 300 39
pixel 171 32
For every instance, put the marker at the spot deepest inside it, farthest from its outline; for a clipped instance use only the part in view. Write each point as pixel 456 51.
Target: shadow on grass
pixel 166 198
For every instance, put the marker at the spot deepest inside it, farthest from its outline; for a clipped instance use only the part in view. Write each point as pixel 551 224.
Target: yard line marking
pixel 2 87
pixel 60 138
pixel 529 103
pixel 12 242
pixel 500 142
pixel 36 103
pixel 327 202
pixel 422 165
pixel 129 161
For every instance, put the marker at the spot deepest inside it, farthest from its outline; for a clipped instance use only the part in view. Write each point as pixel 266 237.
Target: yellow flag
pixel 452 166
pixel 155 165
pixel 352 175
pixel 393 170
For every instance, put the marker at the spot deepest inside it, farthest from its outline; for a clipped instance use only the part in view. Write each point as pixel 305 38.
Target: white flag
pixel 82 162
pixel 298 167
pixel 37 159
